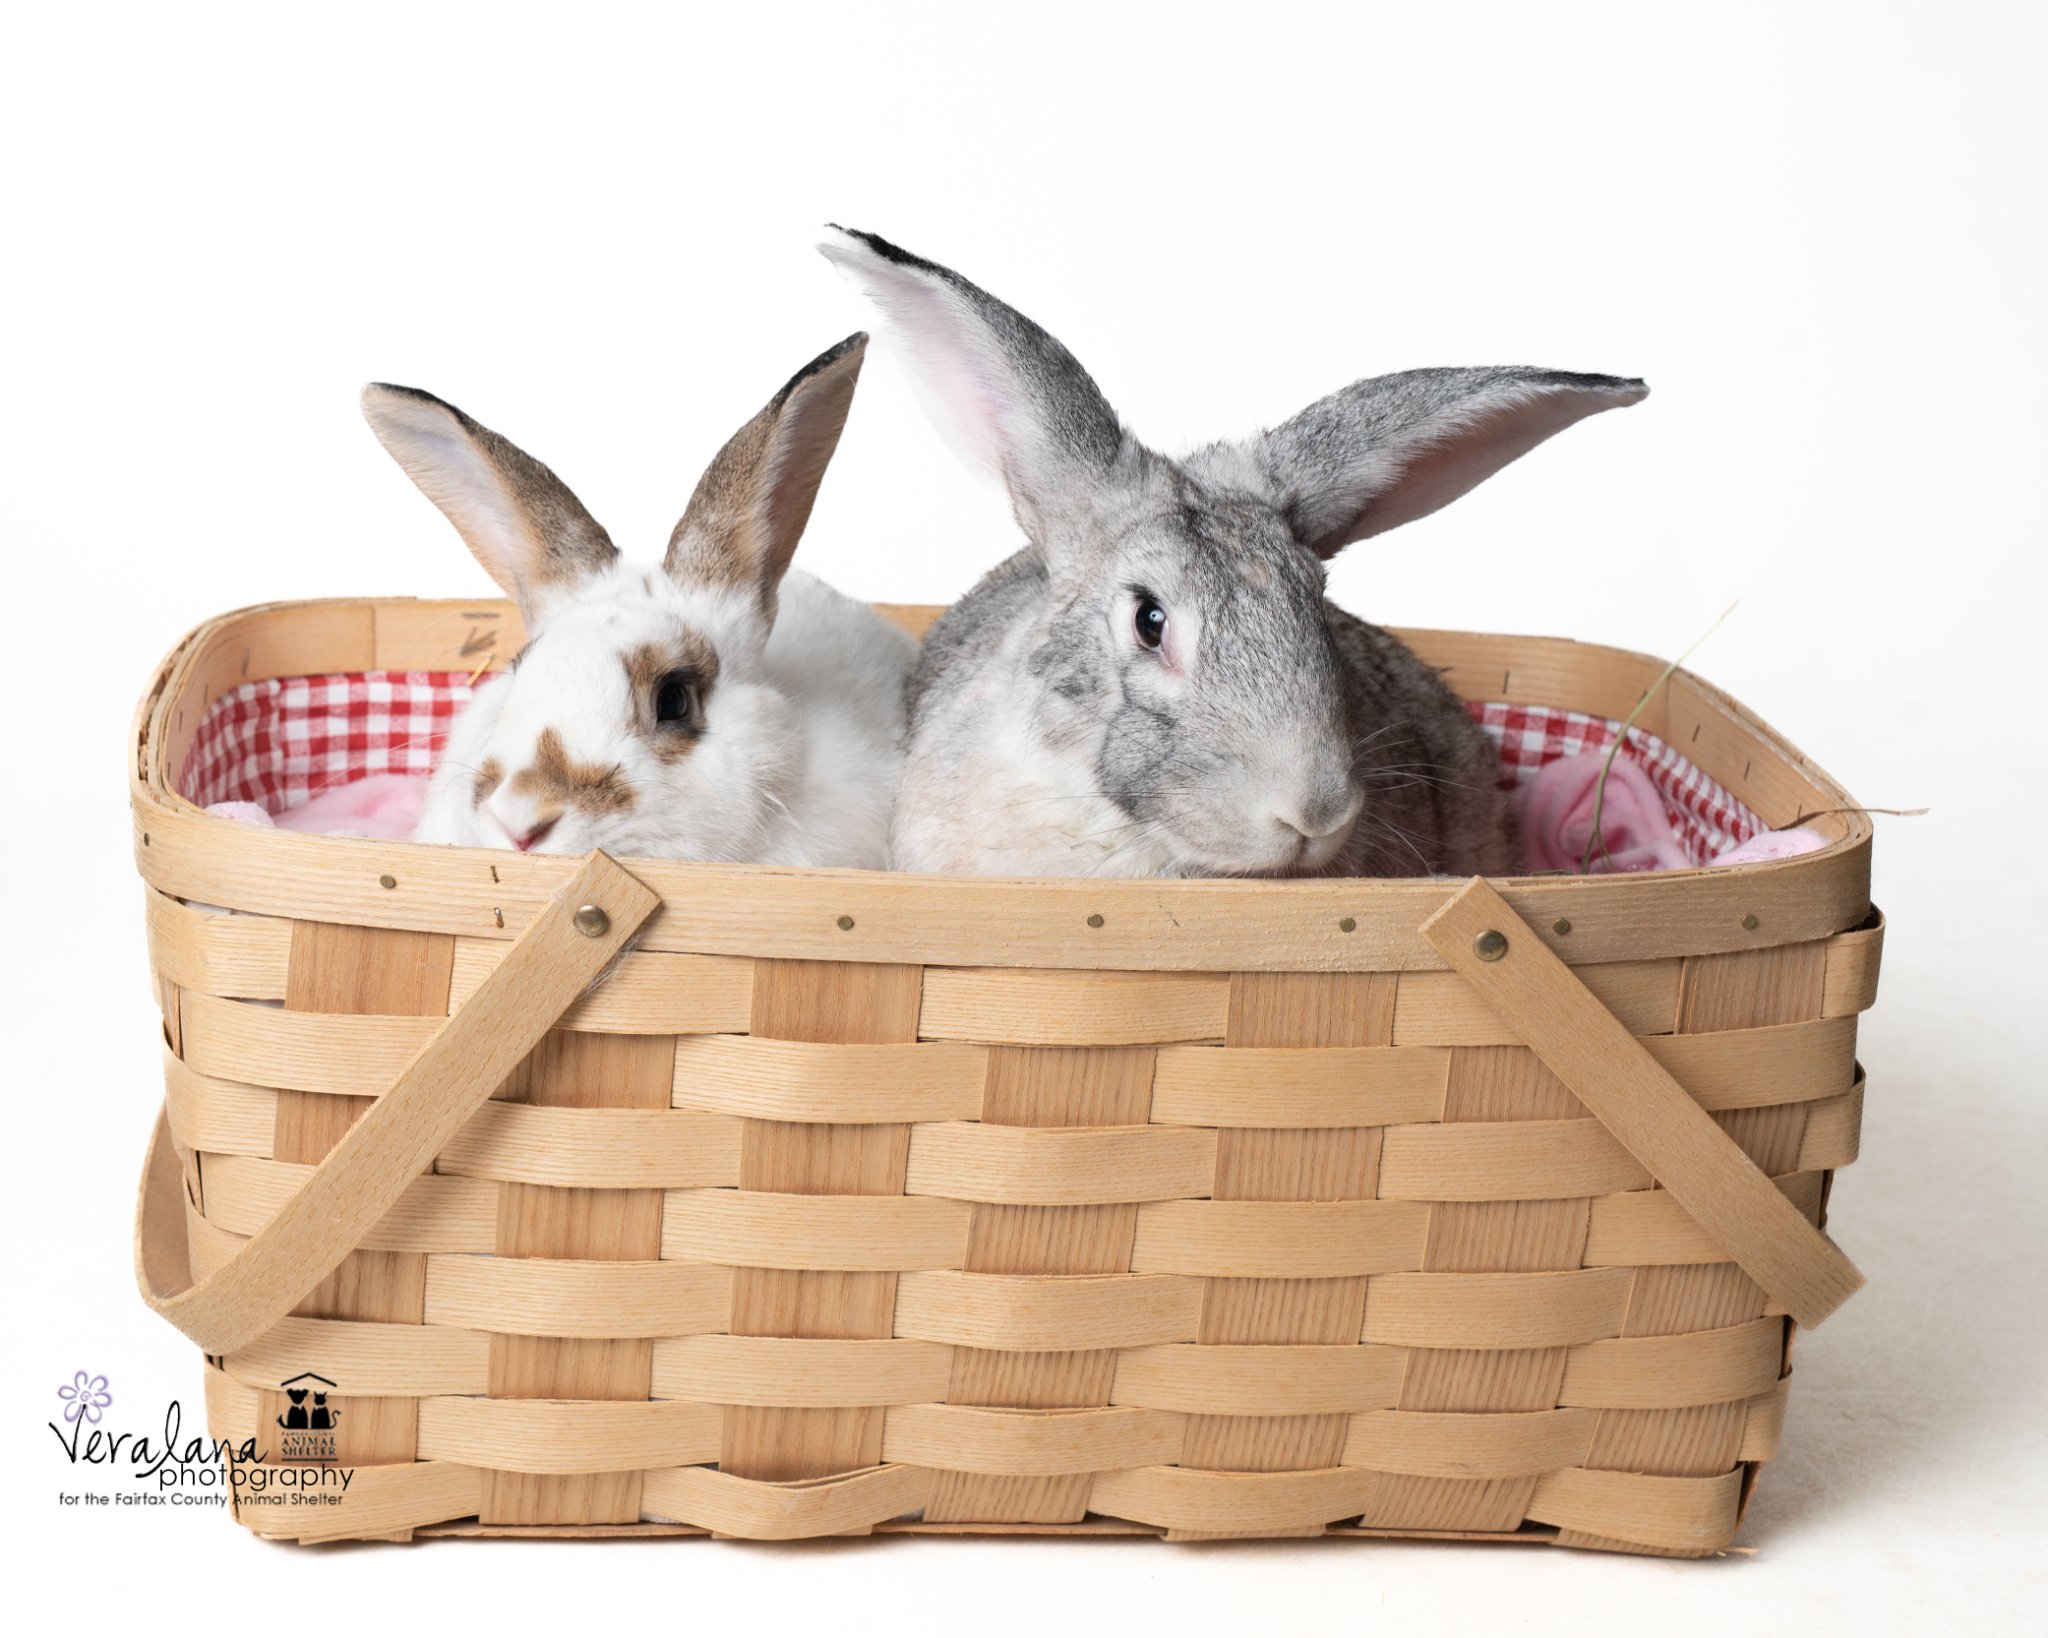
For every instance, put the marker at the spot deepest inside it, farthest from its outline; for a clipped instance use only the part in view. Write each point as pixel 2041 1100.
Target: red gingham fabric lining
pixel 276 743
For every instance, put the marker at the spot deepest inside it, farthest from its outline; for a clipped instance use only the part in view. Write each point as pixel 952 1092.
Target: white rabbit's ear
pixel 1010 398
pixel 527 529
pixel 749 510
pixel 1385 451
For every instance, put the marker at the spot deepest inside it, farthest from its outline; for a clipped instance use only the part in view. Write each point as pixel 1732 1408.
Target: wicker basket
pixel 852 1201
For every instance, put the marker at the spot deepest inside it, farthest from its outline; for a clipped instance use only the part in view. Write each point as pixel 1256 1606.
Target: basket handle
pixel 547 968
pixel 1634 1097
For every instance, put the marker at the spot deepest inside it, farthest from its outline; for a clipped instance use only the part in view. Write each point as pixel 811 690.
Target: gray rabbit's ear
pixel 525 526
pixel 749 510
pixel 1012 400
pixel 1385 451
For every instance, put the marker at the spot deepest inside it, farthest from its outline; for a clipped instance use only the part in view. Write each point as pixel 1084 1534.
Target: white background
pixel 1817 230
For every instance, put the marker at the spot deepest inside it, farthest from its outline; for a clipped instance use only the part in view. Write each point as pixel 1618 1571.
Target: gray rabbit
pixel 1156 684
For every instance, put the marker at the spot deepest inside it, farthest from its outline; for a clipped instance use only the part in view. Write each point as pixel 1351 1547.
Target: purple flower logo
pixel 84 1398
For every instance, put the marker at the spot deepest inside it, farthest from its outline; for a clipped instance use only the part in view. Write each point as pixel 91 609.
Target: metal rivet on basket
pixel 846 924
pixel 1749 923
pixel 1561 926
pixel 591 921
pixel 387 881
pixel 1347 925
pixel 1490 945
pixel 1094 921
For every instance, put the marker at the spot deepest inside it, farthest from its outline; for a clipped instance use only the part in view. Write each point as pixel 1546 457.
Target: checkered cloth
pixel 276 743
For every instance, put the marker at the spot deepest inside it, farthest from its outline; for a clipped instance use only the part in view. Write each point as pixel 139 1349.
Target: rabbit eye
pixel 675 697
pixel 1150 623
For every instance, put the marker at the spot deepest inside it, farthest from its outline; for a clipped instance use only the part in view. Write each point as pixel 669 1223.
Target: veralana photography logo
pixel 148 1470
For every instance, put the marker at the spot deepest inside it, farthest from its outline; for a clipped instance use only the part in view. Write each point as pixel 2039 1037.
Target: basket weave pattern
pixel 777 1246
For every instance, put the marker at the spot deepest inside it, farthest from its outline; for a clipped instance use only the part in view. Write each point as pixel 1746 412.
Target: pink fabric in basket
pixel 1558 807
pixel 1706 818
pixel 385 806
pixel 1774 844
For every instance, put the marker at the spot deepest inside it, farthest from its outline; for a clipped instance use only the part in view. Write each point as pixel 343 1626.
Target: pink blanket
pixel 1557 808
pixel 385 807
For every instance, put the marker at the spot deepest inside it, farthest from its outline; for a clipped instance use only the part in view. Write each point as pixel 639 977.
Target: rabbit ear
pixel 749 510
pixel 1385 451
pixel 527 529
pixel 1012 400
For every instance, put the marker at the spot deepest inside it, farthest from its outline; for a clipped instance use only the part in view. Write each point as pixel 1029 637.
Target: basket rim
pixel 1144 925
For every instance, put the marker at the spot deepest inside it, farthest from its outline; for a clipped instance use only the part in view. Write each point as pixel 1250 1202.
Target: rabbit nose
pixel 528 840
pixel 1325 814
pixel 524 824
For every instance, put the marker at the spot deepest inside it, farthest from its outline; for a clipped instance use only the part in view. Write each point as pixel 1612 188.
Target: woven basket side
pixel 1284 1273
pixel 358 972
pixel 1733 992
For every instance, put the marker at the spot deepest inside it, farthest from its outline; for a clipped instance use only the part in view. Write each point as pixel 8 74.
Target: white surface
pixel 1817 230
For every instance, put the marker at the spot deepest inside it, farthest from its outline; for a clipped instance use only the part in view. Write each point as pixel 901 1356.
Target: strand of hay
pixel 1596 840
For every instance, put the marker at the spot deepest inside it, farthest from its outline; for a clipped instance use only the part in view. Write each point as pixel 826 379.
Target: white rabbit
pixel 718 707
pixel 1156 684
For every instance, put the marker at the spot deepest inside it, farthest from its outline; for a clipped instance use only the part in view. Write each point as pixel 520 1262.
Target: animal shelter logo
pixel 308 1421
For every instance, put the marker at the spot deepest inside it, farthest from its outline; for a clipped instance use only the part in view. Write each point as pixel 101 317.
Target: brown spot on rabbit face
pixel 487 779
pixel 693 662
pixel 557 784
